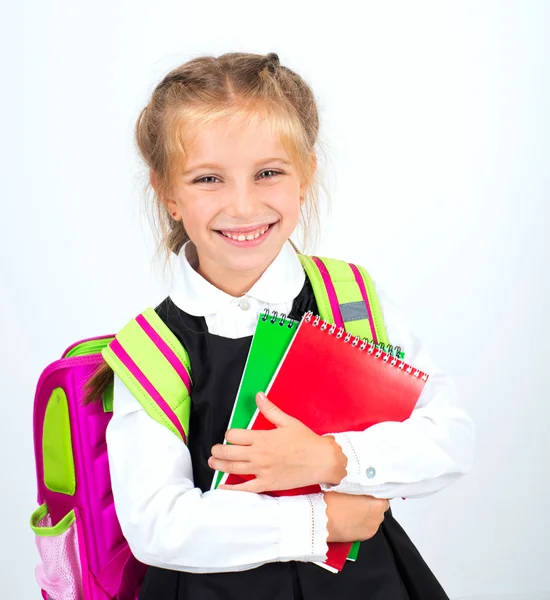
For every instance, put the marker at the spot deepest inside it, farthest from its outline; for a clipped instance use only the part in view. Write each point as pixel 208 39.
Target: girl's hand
pixel 288 457
pixel 353 518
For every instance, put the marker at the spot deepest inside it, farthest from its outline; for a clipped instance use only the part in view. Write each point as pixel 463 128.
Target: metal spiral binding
pixel 275 316
pixel 381 349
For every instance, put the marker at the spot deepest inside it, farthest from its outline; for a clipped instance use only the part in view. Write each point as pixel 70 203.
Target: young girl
pixel 230 146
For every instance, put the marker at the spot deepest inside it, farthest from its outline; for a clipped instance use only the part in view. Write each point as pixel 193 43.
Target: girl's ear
pixel 305 184
pixel 153 179
pixel 169 204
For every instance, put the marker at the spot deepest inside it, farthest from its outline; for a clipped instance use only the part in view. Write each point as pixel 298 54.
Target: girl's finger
pixel 242 437
pixel 230 452
pixel 253 486
pixel 238 467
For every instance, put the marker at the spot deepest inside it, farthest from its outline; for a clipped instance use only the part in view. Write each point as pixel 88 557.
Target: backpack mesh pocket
pixel 59 573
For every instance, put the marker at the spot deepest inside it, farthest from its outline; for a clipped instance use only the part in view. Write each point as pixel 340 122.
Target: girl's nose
pixel 243 203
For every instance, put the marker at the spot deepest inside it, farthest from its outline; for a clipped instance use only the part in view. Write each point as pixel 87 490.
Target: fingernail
pixel 261 395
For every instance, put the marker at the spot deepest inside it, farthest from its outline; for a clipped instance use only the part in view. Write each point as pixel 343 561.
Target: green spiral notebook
pixel 271 338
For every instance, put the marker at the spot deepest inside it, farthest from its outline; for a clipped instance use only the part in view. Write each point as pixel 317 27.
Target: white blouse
pixel 170 523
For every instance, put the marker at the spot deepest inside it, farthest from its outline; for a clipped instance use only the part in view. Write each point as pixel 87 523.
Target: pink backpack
pixel 83 552
pixel 84 555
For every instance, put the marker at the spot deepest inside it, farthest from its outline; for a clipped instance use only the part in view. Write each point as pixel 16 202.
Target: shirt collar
pixel 280 282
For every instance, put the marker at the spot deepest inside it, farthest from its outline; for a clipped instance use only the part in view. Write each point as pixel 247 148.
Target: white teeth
pixel 241 237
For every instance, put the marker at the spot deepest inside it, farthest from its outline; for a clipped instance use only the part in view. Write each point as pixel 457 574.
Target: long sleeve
pixel 170 523
pixel 423 454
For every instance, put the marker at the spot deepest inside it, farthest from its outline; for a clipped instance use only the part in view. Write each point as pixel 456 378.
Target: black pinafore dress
pixel 388 567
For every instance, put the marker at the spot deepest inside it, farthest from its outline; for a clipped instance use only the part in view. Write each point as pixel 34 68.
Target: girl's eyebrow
pixel 257 164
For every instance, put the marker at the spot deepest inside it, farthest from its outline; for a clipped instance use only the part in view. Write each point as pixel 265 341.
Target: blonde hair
pixel 205 89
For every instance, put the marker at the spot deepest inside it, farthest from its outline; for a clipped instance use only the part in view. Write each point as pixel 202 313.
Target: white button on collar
pixel 244 304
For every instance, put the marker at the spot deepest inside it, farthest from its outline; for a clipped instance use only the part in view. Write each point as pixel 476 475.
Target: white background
pixel 436 128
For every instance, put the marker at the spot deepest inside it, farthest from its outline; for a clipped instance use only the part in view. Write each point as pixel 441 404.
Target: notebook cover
pixel 272 337
pixel 331 386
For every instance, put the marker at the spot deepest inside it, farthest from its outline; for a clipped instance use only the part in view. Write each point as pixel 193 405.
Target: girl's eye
pixel 202 179
pixel 210 177
pixel 269 171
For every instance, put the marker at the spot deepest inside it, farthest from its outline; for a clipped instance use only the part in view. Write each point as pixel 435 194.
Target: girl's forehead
pixel 234 138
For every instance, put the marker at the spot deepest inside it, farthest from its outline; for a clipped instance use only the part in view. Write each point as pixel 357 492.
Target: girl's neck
pixel 234 283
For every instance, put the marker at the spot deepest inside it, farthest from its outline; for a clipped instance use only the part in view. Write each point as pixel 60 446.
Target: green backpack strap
pixel 346 297
pixel 155 367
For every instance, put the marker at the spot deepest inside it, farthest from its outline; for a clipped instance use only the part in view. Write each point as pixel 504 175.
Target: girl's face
pixel 239 197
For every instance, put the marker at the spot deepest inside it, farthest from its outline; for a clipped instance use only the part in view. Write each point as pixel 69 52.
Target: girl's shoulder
pixel 179 321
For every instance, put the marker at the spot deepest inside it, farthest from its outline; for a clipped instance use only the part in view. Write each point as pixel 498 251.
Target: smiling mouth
pixel 243 236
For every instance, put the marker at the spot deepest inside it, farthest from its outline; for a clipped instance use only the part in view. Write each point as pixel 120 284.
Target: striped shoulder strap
pixel 155 367
pixel 346 297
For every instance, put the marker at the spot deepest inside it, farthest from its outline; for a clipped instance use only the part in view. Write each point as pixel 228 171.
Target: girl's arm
pixel 421 455
pixel 170 523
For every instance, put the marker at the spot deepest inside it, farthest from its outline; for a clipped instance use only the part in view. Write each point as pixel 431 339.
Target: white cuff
pixel 303 528
pixel 320 527
pixel 356 473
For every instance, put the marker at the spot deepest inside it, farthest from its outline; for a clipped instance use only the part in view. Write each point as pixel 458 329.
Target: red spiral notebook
pixel 333 382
